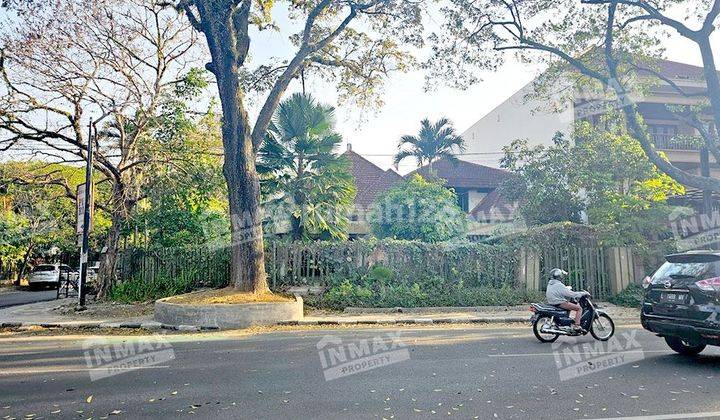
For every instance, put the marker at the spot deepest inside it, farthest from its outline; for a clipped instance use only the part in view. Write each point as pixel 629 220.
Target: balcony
pixel 674 142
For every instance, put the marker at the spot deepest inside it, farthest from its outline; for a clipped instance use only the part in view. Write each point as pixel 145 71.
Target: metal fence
pixel 315 263
pixel 587 268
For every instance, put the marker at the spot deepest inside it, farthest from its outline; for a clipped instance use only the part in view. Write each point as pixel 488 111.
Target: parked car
pixel 682 301
pixel 48 275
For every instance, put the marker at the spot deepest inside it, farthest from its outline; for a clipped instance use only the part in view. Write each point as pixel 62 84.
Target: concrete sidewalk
pixel 477 314
pixel 45 314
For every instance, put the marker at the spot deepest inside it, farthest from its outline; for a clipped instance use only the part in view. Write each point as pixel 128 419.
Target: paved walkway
pixel 45 314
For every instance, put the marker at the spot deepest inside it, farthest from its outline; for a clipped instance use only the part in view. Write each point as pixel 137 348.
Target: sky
pixel 375 133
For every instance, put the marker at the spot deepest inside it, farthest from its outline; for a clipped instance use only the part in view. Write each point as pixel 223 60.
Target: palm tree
pixel 297 163
pixel 433 142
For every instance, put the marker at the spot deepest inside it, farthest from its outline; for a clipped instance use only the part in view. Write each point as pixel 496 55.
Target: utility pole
pixel 705 171
pixel 84 250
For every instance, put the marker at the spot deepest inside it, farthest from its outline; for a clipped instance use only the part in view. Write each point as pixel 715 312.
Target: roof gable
pixel 370 180
pixel 462 174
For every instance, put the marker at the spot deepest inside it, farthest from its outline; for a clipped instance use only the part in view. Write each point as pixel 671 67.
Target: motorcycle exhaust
pixel 553 331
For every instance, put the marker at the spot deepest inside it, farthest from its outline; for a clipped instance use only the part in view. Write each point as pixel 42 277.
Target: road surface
pixel 21 297
pixel 434 372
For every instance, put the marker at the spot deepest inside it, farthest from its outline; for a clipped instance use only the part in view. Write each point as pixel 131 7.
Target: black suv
pixel 682 301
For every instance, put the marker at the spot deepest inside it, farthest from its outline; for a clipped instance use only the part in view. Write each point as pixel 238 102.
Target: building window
pixel 463 201
pixel 662 135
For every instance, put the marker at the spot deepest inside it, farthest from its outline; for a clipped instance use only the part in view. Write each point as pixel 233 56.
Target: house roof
pixel 677 70
pixel 462 174
pixel 370 180
pixel 493 207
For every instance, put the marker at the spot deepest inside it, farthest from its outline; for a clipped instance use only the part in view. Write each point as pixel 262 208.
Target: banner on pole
pixel 80 210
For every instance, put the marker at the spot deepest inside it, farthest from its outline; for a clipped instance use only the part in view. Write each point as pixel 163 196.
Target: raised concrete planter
pixel 226 316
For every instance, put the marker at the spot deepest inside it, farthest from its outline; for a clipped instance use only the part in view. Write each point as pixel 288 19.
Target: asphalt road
pixel 21 297
pixel 450 371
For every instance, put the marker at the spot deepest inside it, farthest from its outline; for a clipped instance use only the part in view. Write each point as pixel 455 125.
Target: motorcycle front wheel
pixel 543 337
pixel 602 327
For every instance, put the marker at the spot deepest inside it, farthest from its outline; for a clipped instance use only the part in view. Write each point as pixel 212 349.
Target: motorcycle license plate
pixel 533 318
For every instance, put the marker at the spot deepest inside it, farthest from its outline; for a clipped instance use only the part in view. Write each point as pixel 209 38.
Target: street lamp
pixel 85 244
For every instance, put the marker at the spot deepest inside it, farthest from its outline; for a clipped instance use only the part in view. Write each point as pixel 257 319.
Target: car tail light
pixel 647 281
pixel 709 285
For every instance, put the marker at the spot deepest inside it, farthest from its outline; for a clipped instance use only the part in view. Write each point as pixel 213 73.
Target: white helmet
pixel 558 274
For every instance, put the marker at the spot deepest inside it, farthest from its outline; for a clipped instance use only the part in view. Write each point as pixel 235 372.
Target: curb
pixel 154 326
pixel 82 325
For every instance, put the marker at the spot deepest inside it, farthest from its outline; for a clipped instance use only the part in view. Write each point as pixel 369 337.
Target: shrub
pixel 418 210
pixel 381 288
pixel 632 296
pixel 135 290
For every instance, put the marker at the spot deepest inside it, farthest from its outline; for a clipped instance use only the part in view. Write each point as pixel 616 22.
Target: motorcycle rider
pixel 559 295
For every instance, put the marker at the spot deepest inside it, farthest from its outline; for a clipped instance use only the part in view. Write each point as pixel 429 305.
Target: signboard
pixel 80 210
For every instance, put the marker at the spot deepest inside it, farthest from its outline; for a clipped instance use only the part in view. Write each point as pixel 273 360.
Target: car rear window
pixel 43 268
pixel 695 270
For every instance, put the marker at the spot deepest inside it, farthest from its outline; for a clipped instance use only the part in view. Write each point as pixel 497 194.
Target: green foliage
pixel 36 215
pixel 433 142
pixel 544 187
pixel 325 263
pixel 632 296
pixel 370 291
pixel 418 210
pixel 187 203
pixel 162 286
pixel 148 274
pixel 605 175
pixel 300 169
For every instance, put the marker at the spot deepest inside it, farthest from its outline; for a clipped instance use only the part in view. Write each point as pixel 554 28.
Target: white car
pixel 48 275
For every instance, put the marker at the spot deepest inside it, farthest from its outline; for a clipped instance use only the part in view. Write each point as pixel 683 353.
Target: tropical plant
pixel 299 167
pixel 433 142
pixel 418 210
pixel 605 175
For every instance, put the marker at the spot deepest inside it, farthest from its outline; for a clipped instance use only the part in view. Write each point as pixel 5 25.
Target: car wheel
pixel 683 347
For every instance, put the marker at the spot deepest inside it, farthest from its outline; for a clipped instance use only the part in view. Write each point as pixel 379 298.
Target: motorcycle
pixel 550 322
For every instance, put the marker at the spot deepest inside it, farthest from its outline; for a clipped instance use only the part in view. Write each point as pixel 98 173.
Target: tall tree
pixel 35 217
pixel 354 40
pixel 602 173
pixel 434 141
pixel 610 42
pixel 299 162
pixel 63 63
pixel 188 205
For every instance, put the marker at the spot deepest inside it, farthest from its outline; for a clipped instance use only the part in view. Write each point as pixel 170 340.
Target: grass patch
pixel 228 296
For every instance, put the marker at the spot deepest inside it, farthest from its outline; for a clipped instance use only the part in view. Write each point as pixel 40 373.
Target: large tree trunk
pixel 23 265
pixel 247 267
pixel 107 273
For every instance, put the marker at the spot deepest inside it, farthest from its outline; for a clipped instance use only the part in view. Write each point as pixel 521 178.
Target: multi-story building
pixel 525 115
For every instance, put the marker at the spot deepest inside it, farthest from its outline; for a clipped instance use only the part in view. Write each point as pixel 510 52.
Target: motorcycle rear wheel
pixel 543 337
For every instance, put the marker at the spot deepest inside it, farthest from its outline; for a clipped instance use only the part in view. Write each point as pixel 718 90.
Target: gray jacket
pixel 557 293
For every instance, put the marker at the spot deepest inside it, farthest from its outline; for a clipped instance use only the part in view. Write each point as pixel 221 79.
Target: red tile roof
pixel 462 174
pixel 370 180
